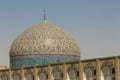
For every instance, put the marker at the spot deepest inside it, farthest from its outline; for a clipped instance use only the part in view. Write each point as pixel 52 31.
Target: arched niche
pixel 16 76
pixel 89 72
pixel 73 73
pixel 57 73
pixel 108 71
pixel 4 76
pixel 29 75
pixel 42 74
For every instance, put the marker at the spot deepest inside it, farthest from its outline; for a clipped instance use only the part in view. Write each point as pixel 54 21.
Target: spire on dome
pixel 44 15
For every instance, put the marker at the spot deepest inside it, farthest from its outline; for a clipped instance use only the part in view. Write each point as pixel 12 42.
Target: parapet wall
pixel 91 69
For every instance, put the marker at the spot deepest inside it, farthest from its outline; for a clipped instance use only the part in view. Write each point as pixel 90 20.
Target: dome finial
pixel 44 15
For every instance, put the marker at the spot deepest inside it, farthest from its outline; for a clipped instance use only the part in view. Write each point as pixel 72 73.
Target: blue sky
pixel 95 24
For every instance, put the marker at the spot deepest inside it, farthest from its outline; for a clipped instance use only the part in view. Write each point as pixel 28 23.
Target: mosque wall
pixel 90 69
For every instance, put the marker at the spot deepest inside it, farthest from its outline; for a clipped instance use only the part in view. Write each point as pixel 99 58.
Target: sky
pixel 95 24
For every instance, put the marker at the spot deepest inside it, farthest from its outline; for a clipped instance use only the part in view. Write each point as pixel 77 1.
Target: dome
pixel 42 40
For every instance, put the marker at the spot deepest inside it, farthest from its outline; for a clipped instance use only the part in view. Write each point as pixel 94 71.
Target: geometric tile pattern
pixel 44 38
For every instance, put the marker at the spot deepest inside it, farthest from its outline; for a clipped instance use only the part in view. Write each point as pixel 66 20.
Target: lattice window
pixel 73 72
pixel 43 74
pixel 29 75
pixel 16 76
pixel 57 73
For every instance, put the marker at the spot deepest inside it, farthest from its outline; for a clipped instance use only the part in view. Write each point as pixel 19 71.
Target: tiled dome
pixel 43 43
pixel 44 38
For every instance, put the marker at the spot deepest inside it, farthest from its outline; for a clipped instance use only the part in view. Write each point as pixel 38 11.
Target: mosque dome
pixel 43 43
